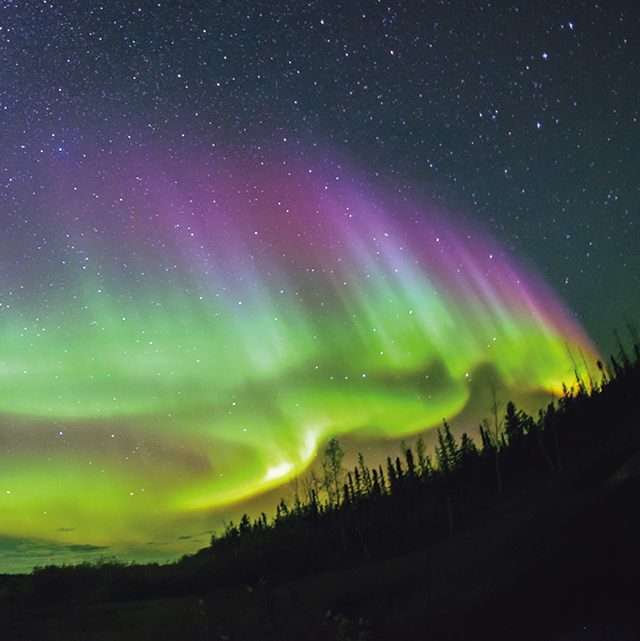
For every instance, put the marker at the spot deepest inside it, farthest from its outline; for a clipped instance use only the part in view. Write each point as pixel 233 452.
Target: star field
pixel 231 231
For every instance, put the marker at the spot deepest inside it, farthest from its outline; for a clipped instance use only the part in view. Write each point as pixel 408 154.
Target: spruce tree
pixel 364 474
pixel 513 425
pixel 421 452
pixel 391 473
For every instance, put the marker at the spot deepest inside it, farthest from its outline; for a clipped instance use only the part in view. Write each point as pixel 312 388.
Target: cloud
pixel 22 555
pixel 86 548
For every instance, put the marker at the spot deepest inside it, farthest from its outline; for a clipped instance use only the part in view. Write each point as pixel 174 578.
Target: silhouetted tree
pixel 485 437
pixel 447 450
pixel 421 452
pixel 365 475
pixel 582 388
pixel 495 407
pixel 311 486
pixel 428 468
pixel 376 483
pixel 451 444
pixel 356 475
pixel 332 471
pixel 383 484
pixel 594 386
pixel 411 470
pixel 245 524
pixel 391 473
pixel 468 452
pixel 352 489
pixel 447 458
pixel 297 502
pixel 617 370
pixel 513 425
pixel 605 378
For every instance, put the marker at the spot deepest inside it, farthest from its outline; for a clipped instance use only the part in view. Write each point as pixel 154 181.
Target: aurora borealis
pixel 229 235
pixel 226 325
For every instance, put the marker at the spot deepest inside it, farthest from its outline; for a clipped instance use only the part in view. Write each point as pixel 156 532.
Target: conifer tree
pixel 399 470
pixel 383 483
pixel 452 446
pixel 391 473
pixel 411 470
pixel 513 425
pixel 428 467
pixel 351 488
pixel 421 452
pixel 446 455
pixel 364 474
pixel 485 437
pixel 376 483
pixel 332 471
pixel 297 503
pixel 356 475
pixel 245 524
pixel 605 378
pixel 446 450
pixel 468 450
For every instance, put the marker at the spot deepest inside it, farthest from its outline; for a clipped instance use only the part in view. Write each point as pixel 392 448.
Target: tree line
pixel 349 515
pixel 340 516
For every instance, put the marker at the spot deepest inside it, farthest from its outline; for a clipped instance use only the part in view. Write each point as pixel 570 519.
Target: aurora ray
pixel 180 336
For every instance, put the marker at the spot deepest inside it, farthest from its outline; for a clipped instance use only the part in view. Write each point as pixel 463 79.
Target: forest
pixel 526 529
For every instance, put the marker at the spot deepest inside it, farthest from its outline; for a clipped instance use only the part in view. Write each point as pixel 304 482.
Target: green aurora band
pixel 175 338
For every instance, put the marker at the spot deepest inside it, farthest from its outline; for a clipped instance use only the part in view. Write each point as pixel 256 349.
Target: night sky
pixel 233 230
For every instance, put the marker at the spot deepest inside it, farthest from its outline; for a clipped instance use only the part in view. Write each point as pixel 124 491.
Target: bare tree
pixel 311 486
pixel 295 488
pixel 495 408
